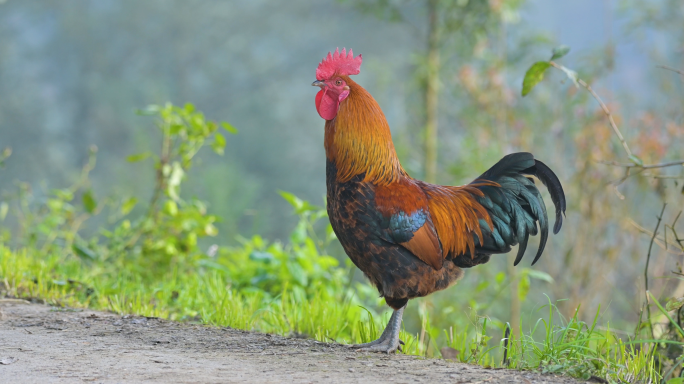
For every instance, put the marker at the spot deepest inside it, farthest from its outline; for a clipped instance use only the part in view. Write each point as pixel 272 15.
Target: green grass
pixel 205 296
pixel 148 261
pixel 581 350
pixel 568 347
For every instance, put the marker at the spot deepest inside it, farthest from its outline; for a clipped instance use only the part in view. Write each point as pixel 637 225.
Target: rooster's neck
pixel 358 140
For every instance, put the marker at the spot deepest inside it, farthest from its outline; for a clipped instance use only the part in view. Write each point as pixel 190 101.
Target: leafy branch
pixel 171 224
pixel 535 74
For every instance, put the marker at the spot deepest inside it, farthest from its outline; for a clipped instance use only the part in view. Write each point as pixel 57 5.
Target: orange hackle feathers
pixel 456 215
pixel 363 144
pixel 402 196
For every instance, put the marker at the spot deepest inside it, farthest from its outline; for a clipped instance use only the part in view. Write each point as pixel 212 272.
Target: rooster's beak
pixel 318 83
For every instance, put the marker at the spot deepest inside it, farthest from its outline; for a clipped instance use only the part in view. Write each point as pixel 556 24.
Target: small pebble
pixel 351 370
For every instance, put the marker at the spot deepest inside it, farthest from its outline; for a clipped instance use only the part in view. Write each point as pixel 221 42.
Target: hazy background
pixel 73 73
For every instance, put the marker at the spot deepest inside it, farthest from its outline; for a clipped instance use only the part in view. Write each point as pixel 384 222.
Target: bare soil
pixel 41 344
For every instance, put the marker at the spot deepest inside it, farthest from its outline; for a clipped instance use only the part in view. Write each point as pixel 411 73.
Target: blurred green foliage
pixel 93 243
pixel 157 258
pixel 150 259
pixel 150 240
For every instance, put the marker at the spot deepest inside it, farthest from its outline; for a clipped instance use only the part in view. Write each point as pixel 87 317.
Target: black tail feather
pixel 517 206
pixel 550 180
pixel 521 249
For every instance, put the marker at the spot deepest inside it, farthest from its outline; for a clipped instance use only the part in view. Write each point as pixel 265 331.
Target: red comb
pixel 339 63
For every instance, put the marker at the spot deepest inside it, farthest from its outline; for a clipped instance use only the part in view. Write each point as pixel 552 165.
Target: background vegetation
pixel 124 235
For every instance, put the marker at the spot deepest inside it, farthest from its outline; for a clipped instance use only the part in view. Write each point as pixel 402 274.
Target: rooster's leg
pixel 389 340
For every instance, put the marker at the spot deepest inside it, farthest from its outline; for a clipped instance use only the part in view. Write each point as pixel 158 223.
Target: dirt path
pixel 40 344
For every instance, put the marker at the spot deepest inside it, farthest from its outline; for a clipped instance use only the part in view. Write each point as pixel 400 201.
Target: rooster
pixel 411 238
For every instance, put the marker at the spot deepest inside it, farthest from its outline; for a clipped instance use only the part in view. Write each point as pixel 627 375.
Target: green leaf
pixel 218 144
pixel 210 230
pixel 674 303
pixel 559 52
pixel 83 251
pixel 128 205
pixel 214 265
pixel 7 152
pixel 523 287
pixel 534 75
pixel 63 194
pixel 264 257
pixel 299 234
pixel 149 110
pixel 89 202
pixel 138 157
pixel 175 129
pixel 297 273
pixel 553 368
pixel 330 233
pixel 664 312
pixel 171 208
pixel 294 201
pixel 229 128
pixel 4 207
pixel 175 178
pixel 302 206
pixel 636 160
pixel 166 169
pixel 539 275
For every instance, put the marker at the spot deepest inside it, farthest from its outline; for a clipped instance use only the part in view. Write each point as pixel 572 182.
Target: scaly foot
pixel 379 345
pixel 389 341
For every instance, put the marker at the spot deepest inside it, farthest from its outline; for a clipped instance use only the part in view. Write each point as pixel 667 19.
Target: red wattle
pixel 325 105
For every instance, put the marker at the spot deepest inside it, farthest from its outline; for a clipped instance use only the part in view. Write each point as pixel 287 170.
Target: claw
pixel 389 341
pixel 384 346
pixel 386 350
pixel 367 345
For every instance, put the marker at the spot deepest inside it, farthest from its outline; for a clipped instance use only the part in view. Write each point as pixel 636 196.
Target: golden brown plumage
pixel 359 139
pixel 411 238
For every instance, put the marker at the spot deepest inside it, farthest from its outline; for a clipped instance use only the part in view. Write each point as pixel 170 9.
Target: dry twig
pixel 634 164
pixel 649 166
pixel 648 260
pixel 659 240
pixel 604 107
pixel 671 69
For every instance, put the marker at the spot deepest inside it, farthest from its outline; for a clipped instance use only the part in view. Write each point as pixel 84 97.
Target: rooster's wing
pixel 405 220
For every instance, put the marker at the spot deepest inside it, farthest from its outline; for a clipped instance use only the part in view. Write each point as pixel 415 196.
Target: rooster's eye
pixel 338 82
